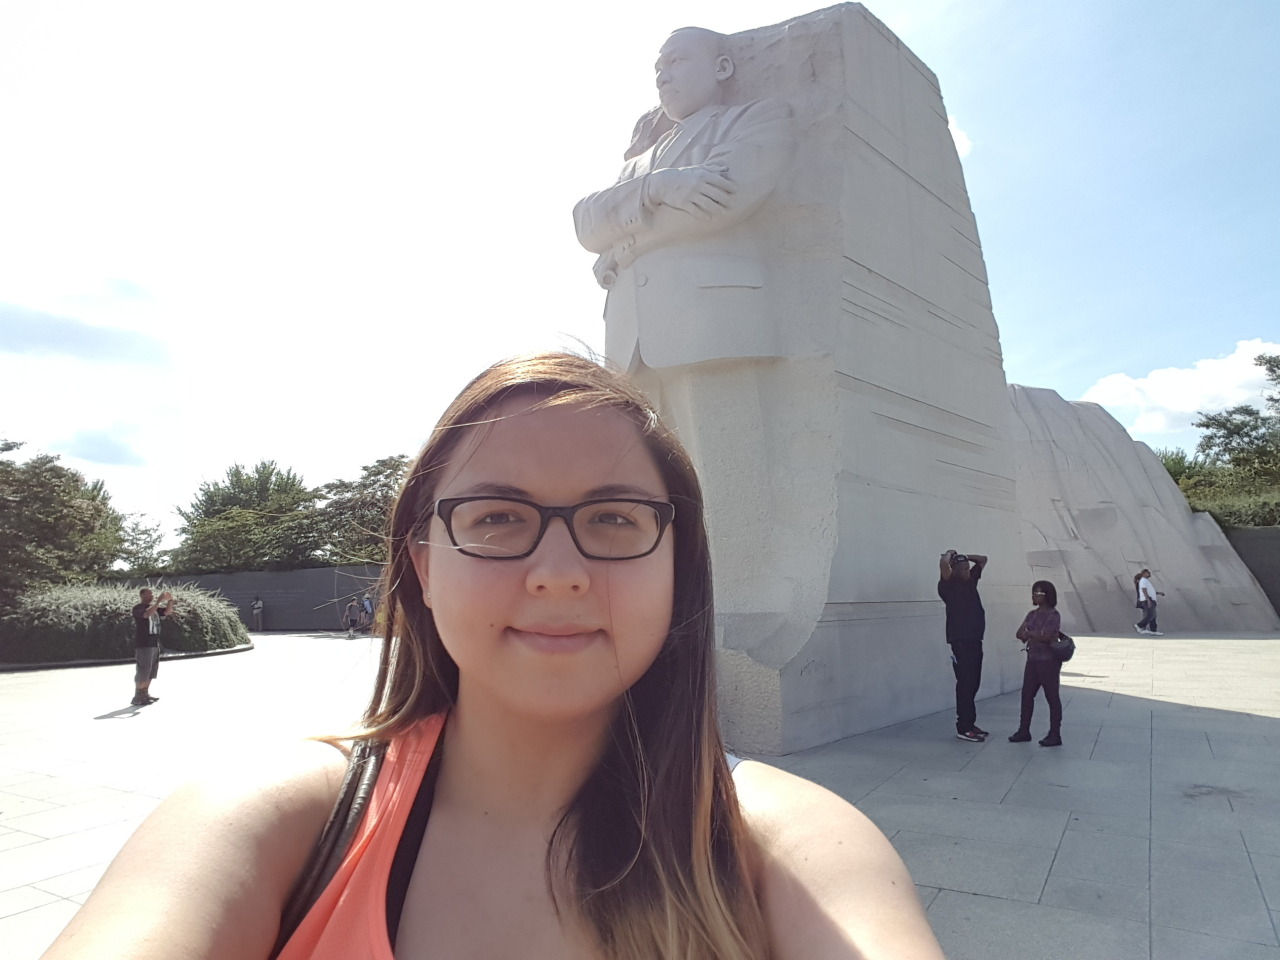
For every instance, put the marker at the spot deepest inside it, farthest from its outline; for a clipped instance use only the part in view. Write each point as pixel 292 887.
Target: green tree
pixel 1237 478
pixel 263 489
pixel 140 551
pixel 1242 436
pixel 1180 464
pixel 55 526
pixel 295 540
pixel 262 518
pixel 1245 438
pixel 1270 362
pixel 355 511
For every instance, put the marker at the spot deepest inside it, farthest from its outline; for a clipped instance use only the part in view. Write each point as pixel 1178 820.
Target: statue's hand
pixel 606 270
pixel 698 191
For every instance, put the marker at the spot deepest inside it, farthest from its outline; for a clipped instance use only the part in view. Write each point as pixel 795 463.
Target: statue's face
pixel 689 71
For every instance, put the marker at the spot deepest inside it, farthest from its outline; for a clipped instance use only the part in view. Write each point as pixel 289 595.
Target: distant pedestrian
pixel 1147 603
pixel 1039 629
pixel 366 621
pixel 352 616
pixel 257 613
pixel 966 624
pixel 146 641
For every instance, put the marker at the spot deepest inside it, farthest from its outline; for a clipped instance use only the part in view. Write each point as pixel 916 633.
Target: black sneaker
pixel 151 699
pixel 1020 736
pixel 980 732
pixel 1051 741
pixel 139 701
pixel 972 736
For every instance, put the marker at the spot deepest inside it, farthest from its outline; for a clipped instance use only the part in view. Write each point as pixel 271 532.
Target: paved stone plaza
pixel 1154 833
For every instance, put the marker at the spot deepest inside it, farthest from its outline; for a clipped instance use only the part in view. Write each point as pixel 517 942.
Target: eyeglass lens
pixel 614 529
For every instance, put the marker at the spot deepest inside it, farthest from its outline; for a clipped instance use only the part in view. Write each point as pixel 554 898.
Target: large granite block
pixel 1096 507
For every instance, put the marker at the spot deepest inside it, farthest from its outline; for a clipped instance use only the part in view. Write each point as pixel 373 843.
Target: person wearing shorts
pixel 146 642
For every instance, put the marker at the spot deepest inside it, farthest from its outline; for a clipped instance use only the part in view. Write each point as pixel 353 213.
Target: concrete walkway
pixel 1154 833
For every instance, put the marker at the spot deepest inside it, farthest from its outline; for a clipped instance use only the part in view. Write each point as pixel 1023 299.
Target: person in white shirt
pixel 1147 601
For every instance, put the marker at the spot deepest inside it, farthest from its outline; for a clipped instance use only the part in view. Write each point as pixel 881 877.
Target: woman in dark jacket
pixel 1039 629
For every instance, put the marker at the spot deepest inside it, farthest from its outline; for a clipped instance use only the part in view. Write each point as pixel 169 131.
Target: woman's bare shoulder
pixel 207 873
pixel 831 884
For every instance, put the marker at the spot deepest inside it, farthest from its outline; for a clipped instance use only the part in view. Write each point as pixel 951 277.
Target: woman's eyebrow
pixel 603 492
pixel 485 488
pixel 620 490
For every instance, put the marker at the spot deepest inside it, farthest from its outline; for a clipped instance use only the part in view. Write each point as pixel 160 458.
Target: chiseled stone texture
pixel 882 308
pixel 1096 507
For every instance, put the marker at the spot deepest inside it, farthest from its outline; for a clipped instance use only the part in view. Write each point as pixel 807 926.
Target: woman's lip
pixel 554 642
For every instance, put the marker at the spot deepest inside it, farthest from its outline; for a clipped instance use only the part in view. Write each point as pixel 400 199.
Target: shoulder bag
pixel 1063 648
pixel 336 837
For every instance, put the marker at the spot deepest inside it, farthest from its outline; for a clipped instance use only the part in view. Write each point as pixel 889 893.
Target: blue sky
pixel 292 230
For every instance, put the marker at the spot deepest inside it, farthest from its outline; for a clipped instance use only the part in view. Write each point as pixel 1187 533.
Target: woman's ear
pixel 418 553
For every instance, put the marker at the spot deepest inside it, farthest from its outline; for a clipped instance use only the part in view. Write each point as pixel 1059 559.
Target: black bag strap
pixel 335 839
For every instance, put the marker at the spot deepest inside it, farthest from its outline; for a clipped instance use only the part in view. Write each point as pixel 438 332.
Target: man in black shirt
pixel 966 623
pixel 146 641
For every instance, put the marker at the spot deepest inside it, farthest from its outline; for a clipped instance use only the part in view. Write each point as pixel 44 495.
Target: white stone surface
pixel 851 427
pixel 1097 507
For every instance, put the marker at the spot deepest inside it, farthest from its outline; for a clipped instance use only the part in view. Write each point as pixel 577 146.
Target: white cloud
pixel 964 146
pixel 1166 401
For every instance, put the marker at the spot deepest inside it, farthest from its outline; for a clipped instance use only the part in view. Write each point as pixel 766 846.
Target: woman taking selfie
pixel 552 781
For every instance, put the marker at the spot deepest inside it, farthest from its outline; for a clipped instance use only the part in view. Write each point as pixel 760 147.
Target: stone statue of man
pixel 686 252
pixel 678 254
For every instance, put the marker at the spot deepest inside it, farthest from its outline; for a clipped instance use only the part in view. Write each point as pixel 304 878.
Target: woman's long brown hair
pixel 652 852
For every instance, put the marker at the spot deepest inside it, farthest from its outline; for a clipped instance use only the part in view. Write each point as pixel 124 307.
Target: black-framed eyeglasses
pixel 506 528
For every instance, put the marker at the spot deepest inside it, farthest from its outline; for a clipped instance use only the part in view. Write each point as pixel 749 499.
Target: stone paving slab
pixel 1163 816
pixel 972 927
pixel 1013 871
pixel 1217 904
pixel 1152 834
pixel 1105 859
pixel 1098 896
pixel 80 767
pixel 967 820
pixel 1170 944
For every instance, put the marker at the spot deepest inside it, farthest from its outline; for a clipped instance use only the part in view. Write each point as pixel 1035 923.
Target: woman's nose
pixel 557 566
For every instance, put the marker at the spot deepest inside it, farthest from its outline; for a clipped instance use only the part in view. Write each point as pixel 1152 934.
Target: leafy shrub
pixel 1261 509
pixel 1187 468
pixel 93 622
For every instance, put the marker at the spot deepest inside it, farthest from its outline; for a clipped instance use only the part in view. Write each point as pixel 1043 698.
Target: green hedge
pixel 93 622
pixel 1239 510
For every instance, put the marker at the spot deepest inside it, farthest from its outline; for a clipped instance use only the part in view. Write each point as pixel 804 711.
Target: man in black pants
pixel 966 623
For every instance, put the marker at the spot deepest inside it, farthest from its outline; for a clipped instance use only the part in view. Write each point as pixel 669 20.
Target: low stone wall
pixel 1259 548
pixel 311 599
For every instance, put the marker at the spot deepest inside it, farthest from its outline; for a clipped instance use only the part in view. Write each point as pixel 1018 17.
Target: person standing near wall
pixel 146 642
pixel 1147 601
pixel 256 609
pixel 352 616
pixel 966 624
pixel 1039 629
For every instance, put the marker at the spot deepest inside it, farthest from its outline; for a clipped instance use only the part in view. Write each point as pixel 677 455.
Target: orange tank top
pixel 349 920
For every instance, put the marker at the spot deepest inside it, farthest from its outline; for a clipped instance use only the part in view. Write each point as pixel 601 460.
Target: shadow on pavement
pixel 123 713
